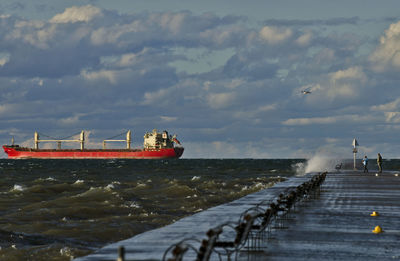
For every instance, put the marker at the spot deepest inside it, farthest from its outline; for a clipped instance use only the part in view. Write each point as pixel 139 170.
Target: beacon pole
pixel 355 144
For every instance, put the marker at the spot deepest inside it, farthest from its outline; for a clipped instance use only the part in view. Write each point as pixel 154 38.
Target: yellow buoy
pixel 377 230
pixel 374 214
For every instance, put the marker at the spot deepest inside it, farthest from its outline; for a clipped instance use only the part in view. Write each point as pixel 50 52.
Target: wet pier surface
pixel 338 224
pixel 334 225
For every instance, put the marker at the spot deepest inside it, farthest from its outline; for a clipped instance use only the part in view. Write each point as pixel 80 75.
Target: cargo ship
pixel 155 146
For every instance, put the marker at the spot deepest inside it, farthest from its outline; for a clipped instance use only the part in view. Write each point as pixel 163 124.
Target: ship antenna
pixel 12 141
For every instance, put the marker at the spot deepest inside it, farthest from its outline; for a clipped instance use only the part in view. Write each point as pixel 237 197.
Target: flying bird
pixel 306 91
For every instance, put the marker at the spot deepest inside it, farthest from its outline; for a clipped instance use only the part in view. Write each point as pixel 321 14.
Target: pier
pixel 347 215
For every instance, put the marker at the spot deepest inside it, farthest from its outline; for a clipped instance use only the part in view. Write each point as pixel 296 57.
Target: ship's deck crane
pixel 59 141
pixel 128 140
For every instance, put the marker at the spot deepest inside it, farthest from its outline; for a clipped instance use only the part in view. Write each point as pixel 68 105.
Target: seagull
pixel 306 91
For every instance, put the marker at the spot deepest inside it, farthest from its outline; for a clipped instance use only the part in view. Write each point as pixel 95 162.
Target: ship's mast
pixel 36 137
pixel 128 140
pixel 82 140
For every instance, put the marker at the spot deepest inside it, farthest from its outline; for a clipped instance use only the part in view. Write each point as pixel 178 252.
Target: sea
pixel 63 209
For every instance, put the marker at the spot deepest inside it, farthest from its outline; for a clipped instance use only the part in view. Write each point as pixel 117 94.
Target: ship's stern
pixel 10 151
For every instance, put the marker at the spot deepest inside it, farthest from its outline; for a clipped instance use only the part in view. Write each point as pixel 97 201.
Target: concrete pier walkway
pixel 338 225
pixel 334 226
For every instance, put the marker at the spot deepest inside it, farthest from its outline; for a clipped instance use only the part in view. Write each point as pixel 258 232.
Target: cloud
pixel 304 39
pixel 76 40
pixel 77 14
pixel 265 108
pixel 249 67
pixel 7 108
pixel 104 70
pixel 14 6
pixel 3 61
pixel 350 74
pixel 338 21
pixel 338 87
pixel 173 22
pixel 155 97
pixel 168 118
pixel 309 121
pixel 392 117
pixel 109 75
pixel 387 55
pixel 131 59
pixel 347 83
pixel 68 121
pixel 35 33
pixel 387 107
pixel 257 113
pixel 328 120
pixel 221 100
pixel 113 34
pixel 274 35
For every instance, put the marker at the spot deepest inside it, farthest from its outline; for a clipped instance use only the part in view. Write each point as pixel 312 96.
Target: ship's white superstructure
pixel 156 140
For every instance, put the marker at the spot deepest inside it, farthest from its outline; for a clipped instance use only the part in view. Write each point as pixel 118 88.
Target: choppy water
pixel 58 209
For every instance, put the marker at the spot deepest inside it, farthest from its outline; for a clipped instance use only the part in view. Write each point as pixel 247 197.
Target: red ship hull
pixel 28 153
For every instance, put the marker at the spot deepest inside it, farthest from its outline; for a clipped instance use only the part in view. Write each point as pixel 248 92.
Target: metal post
pixel 36 137
pixel 82 140
pixel 355 144
pixel 128 140
pixel 121 253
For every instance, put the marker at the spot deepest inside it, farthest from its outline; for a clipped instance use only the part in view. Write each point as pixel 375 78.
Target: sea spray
pixel 299 168
pixel 321 162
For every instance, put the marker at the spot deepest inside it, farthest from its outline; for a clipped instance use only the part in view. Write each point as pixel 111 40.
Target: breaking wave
pixel 318 163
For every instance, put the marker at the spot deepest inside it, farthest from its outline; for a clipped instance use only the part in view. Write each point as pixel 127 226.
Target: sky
pixel 225 76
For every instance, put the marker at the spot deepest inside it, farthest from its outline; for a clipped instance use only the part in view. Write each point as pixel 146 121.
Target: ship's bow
pixel 179 151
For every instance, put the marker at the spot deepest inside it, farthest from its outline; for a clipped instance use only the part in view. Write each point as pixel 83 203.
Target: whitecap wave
pixel 141 185
pixel 18 188
pixel 79 181
pixel 110 187
pixel 134 205
pixel 66 251
pixel 245 188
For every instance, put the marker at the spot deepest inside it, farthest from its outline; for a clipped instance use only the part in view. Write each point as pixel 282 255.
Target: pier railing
pixel 253 227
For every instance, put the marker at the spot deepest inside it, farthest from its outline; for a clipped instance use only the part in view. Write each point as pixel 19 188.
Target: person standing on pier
pixel 365 163
pixel 379 161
